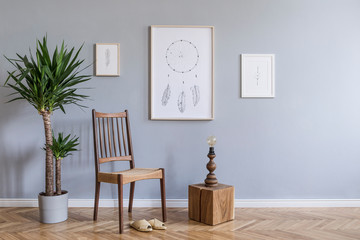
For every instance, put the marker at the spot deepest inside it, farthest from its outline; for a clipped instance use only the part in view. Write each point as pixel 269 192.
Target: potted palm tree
pixel 48 83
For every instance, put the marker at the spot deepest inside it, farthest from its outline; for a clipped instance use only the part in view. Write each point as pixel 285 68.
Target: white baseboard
pixel 183 203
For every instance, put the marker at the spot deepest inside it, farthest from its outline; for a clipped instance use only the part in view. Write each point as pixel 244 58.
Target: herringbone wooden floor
pixel 249 224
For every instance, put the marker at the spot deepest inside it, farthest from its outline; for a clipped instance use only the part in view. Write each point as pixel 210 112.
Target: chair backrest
pixel 112 138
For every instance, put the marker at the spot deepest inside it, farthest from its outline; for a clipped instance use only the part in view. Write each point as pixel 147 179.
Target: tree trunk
pixel 49 168
pixel 58 176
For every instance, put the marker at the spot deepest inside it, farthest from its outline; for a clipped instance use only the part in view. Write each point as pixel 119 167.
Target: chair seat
pixel 131 175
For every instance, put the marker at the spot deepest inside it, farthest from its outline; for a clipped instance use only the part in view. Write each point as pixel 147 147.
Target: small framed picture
pixel 257 75
pixel 107 61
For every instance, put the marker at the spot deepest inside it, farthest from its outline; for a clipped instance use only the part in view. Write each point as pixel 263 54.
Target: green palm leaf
pixel 63 146
pixel 48 82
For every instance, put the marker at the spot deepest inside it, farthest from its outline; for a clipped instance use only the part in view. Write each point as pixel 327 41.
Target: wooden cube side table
pixel 211 205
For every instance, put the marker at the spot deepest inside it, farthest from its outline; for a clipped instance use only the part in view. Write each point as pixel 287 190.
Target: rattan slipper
pixel 156 224
pixel 141 225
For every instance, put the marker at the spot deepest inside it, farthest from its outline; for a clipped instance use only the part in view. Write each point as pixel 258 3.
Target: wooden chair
pixel 112 142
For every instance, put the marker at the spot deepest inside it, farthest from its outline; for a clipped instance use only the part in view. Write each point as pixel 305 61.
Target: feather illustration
pixel 195 94
pixel 107 57
pixel 166 95
pixel 181 102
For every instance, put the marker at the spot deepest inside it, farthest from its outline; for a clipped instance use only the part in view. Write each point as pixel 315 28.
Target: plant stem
pixel 58 176
pixel 49 168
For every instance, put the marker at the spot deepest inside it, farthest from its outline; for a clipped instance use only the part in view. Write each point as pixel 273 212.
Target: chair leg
pixel 131 196
pixel 163 198
pixel 120 199
pixel 96 202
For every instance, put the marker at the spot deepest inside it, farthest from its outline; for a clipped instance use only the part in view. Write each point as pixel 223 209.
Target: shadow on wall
pixel 83 130
pixel 14 165
pixel 78 172
pixel 15 157
pixel 22 159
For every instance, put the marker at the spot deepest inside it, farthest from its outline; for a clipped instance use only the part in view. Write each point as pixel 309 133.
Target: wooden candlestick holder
pixel 211 180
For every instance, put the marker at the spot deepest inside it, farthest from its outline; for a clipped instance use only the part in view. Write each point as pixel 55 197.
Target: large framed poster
pixel 182 73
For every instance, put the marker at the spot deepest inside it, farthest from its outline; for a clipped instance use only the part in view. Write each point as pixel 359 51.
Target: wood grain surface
pixel 211 205
pixel 249 224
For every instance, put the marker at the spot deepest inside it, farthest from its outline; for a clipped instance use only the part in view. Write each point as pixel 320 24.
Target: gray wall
pixel 304 143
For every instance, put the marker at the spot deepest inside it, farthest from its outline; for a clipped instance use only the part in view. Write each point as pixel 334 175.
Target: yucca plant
pixel 61 147
pixel 48 83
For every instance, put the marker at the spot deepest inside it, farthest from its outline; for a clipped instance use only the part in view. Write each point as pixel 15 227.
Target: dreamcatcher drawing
pixel 182 58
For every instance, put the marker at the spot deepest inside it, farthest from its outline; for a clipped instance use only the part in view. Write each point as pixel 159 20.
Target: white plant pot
pixel 53 209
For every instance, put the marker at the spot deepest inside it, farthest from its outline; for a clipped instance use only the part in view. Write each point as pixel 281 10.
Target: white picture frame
pixel 107 59
pixel 257 75
pixel 182 72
